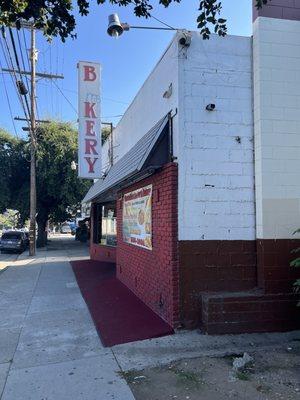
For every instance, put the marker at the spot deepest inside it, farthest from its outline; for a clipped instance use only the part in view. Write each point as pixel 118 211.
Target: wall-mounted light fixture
pixel 210 107
pixel 116 28
pixel 185 39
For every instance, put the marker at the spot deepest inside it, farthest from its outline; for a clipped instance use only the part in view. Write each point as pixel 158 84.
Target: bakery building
pixel 199 207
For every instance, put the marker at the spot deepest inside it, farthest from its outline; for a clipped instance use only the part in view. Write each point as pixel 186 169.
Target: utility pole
pixel 111 143
pixel 32 130
pixel 111 146
pixel 32 229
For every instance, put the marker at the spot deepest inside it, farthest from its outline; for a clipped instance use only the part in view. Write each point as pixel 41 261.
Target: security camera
pixel 185 39
pixel 210 107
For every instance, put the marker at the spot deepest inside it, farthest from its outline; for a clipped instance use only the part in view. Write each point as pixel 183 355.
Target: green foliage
pixel 56 18
pixel 296 263
pixel 13 168
pixel 242 375
pixel 9 219
pixel 105 132
pixel 59 190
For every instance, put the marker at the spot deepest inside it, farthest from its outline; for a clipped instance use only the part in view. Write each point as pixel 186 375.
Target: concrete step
pixel 249 311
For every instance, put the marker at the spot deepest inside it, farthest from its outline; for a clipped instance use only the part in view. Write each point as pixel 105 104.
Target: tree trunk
pixel 41 220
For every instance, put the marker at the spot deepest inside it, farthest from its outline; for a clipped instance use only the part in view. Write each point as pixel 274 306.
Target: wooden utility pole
pixel 32 229
pixel 32 130
pixel 111 142
pixel 111 146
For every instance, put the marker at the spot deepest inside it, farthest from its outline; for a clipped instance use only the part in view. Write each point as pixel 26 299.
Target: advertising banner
pixel 137 217
pixel 89 140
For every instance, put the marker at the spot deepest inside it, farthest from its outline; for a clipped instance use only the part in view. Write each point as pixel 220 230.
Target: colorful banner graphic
pixel 137 217
pixel 89 146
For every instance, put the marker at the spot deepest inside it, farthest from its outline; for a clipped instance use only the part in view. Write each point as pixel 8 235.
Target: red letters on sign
pixel 90 145
pixel 89 73
pixel 91 164
pixel 89 109
pixel 90 128
pixel 89 120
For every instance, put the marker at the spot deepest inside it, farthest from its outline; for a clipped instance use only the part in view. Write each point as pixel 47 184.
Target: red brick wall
pixel 273 264
pixel 249 312
pixel 102 253
pixel 153 274
pixel 213 266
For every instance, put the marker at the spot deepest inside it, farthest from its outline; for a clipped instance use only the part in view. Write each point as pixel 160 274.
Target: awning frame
pixel 158 153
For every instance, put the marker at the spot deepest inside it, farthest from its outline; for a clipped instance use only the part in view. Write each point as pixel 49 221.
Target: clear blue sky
pixel 126 62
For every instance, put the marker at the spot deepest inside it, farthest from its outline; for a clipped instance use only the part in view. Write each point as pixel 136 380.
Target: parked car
pixel 13 241
pixel 65 229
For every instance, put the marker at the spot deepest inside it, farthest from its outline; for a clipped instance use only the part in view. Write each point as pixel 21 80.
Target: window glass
pixel 12 236
pixel 108 225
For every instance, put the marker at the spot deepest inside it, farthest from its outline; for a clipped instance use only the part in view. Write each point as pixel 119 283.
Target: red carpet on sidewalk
pixel 119 316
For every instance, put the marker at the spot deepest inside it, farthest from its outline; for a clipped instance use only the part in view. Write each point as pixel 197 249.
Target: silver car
pixel 13 241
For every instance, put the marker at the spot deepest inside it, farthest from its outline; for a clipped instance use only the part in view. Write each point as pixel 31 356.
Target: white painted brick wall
pixel 276 49
pixel 214 149
pixel 216 172
pixel 149 106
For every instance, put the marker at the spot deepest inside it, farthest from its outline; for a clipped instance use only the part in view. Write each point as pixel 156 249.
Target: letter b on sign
pixel 89 73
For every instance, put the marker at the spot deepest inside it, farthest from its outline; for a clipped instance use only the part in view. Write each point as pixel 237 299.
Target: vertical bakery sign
pixel 137 217
pixel 89 140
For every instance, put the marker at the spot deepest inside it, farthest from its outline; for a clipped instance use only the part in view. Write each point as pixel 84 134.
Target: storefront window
pixel 107 224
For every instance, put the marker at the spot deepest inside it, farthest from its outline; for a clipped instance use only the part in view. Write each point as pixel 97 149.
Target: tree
pixel 14 172
pixel 9 218
pixel 56 18
pixel 105 133
pixel 296 264
pixel 59 190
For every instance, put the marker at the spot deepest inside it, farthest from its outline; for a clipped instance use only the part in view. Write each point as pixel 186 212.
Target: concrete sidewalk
pixel 49 348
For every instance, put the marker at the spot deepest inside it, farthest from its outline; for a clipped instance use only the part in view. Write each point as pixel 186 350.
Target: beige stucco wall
pixel 276 58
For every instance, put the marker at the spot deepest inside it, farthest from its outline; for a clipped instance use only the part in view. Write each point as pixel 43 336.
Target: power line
pixel 26 49
pixel 22 58
pixel 162 22
pixel 102 98
pixel 13 75
pixel 62 93
pixel 113 116
pixel 18 64
pixel 51 92
pixel 8 102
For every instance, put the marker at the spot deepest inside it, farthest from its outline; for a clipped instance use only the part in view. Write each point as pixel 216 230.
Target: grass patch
pixel 242 375
pixel 187 377
pixel 264 389
pixel 130 376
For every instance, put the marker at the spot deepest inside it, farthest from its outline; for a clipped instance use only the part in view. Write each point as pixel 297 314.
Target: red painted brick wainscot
pixel 153 274
pixel 273 264
pixel 238 286
pixel 102 253
pixel 213 266
pixel 249 312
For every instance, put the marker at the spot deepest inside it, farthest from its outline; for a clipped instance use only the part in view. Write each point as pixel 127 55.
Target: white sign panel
pixel 89 141
pixel 137 217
